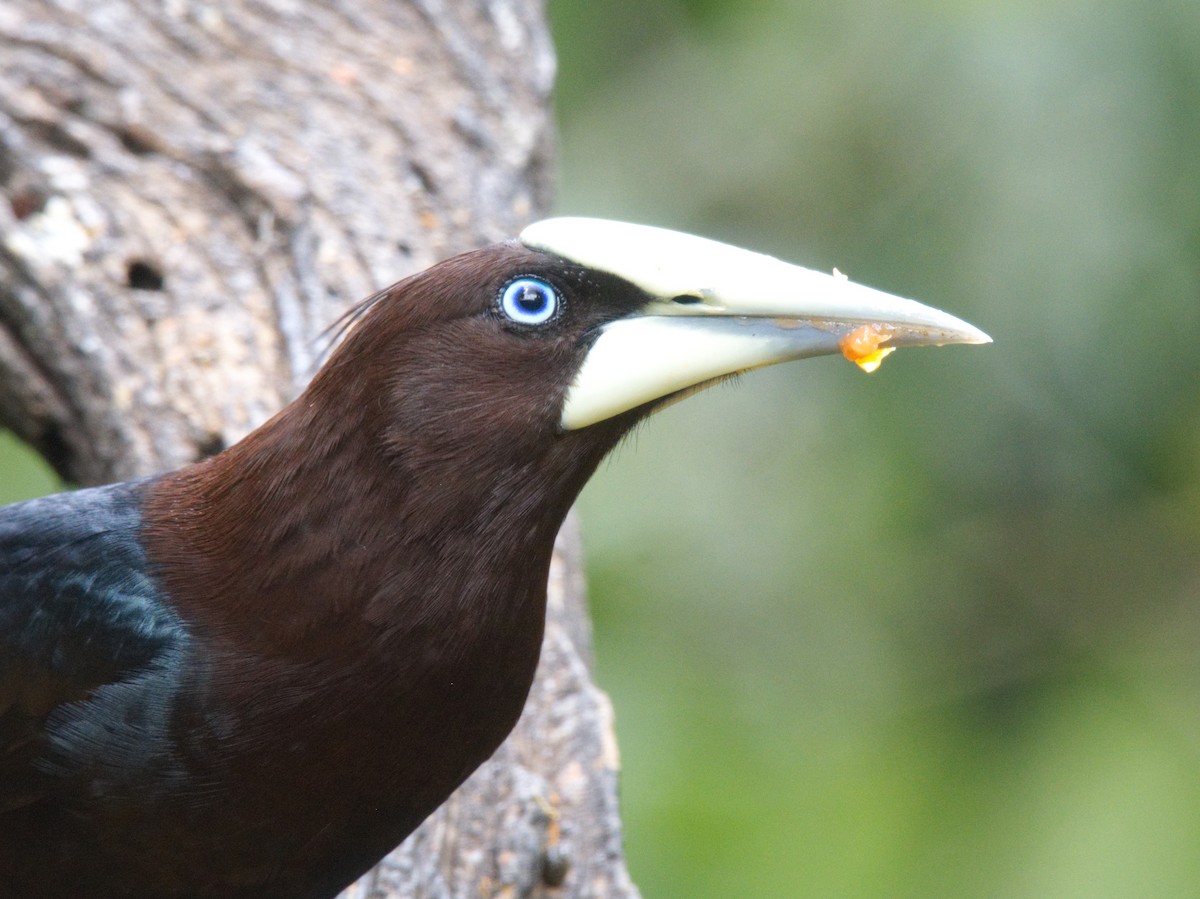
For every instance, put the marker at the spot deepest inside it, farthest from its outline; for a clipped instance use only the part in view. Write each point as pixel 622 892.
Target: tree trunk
pixel 193 193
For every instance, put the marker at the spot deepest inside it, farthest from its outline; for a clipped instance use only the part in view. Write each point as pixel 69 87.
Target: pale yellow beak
pixel 717 310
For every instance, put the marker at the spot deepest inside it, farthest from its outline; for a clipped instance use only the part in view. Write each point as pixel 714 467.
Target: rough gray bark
pixel 193 193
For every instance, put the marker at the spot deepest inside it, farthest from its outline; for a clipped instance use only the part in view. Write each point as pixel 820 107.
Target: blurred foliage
pixel 23 474
pixel 935 632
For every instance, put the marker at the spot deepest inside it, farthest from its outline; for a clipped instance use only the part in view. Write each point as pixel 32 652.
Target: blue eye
pixel 529 301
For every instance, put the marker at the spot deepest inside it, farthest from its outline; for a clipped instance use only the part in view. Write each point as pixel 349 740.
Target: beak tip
pixel 978 337
pixel 958 331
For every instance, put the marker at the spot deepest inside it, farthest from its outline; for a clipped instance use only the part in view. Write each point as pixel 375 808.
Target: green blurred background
pixel 933 632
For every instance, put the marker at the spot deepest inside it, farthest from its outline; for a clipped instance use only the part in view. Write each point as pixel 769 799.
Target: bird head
pixel 588 325
pixel 474 399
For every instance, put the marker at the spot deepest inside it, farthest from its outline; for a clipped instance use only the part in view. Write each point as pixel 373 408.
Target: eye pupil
pixel 529 301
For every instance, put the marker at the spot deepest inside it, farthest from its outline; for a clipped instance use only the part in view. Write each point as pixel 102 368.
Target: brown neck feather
pixel 349 522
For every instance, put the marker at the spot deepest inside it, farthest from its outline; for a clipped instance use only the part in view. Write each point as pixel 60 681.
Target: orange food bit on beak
pixel 861 346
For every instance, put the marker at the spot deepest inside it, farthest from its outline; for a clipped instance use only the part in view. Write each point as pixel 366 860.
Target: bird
pixel 253 676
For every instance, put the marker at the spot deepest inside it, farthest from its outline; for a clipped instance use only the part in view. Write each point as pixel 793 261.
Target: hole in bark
pixel 555 865
pixel 58 137
pixel 428 185
pixel 136 140
pixel 27 202
pixel 143 275
pixel 210 446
